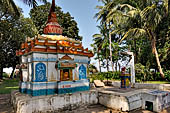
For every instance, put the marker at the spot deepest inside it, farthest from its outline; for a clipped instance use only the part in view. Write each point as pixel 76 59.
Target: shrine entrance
pixel 66 75
pixel 66 65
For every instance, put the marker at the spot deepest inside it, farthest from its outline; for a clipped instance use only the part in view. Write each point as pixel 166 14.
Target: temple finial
pixel 52 26
pixel 52 6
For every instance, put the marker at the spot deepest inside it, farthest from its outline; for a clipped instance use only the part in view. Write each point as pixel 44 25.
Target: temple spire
pixel 52 9
pixel 52 26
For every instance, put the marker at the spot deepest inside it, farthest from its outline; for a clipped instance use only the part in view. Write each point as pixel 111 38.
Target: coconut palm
pixel 96 52
pixel 101 43
pixel 139 22
pixel 12 6
pixel 101 15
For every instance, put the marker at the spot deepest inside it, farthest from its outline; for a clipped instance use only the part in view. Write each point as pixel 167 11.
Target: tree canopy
pixel 39 15
pixel 11 6
pixel 141 25
pixel 13 31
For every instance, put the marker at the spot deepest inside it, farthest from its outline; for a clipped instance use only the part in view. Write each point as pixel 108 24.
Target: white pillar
pixel 132 71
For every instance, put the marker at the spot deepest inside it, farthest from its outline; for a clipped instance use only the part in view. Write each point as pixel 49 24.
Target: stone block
pixel 116 84
pixel 51 103
pixel 98 83
pixel 159 100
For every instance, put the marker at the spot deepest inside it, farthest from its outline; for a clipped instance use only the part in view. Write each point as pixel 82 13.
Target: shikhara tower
pixel 52 63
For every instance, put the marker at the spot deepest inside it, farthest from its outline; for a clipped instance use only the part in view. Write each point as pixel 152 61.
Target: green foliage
pixel 92 68
pixel 5 75
pixel 39 15
pixel 140 72
pixel 106 75
pixel 11 6
pixel 144 27
pixel 8 85
pixel 13 31
pixel 167 75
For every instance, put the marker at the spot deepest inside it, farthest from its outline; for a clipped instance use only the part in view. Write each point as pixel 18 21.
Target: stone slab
pixel 146 85
pixel 98 83
pixel 123 101
pixel 159 100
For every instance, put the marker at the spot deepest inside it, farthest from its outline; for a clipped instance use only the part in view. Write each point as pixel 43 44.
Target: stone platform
pixel 24 103
pixel 131 99
pixel 112 97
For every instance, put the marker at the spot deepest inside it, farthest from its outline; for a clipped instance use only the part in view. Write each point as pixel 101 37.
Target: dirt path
pixel 6 107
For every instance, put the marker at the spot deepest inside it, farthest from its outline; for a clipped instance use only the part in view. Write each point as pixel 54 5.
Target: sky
pixel 83 12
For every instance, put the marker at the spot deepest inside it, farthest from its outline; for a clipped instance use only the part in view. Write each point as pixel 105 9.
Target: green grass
pixel 8 85
pixel 157 82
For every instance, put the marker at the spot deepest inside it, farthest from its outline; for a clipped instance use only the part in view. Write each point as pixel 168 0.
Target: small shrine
pixel 52 63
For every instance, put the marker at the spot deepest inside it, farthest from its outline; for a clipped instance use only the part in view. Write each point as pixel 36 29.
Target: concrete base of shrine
pixel 131 99
pixel 111 97
pixel 124 101
pixel 24 103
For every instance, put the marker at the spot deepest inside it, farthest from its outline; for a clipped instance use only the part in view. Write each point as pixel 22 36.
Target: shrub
pixel 167 74
pixel 106 75
pixel 5 75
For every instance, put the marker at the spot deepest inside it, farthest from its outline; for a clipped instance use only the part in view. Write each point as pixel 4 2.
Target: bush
pixel 140 72
pixel 5 75
pixel 167 74
pixel 106 75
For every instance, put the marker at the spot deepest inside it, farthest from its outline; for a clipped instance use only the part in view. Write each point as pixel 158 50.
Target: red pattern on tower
pixel 52 26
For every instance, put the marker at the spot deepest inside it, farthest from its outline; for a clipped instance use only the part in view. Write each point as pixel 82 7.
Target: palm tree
pixel 102 43
pixel 147 18
pixel 12 6
pixel 96 52
pixel 101 15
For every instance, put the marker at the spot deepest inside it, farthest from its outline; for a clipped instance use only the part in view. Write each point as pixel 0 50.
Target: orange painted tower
pixel 52 26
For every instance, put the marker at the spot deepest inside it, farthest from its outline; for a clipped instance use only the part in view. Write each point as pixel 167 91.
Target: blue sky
pixel 83 12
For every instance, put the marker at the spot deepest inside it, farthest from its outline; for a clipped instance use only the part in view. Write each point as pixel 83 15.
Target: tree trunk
pixel 116 65
pixel 1 72
pixel 107 65
pixel 119 67
pixel 110 47
pixel 99 66
pixel 99 62
pixel 13 69
pixel 136 52
pixel 154 51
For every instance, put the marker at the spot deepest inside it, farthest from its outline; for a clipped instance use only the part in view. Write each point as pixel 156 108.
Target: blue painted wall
pixel 82 72
pixel 40 72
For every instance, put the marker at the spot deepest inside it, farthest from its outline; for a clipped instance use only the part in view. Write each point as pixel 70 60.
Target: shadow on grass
pixel 8 85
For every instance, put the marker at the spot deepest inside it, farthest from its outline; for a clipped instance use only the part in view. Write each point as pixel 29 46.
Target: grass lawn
pixel 157 82
pixel 8 85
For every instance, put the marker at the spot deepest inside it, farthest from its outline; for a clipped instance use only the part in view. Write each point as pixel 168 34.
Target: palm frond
pixel 123 6
pixel 134 32
pixel 33 3
pixel 97 35
pixel 151 16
